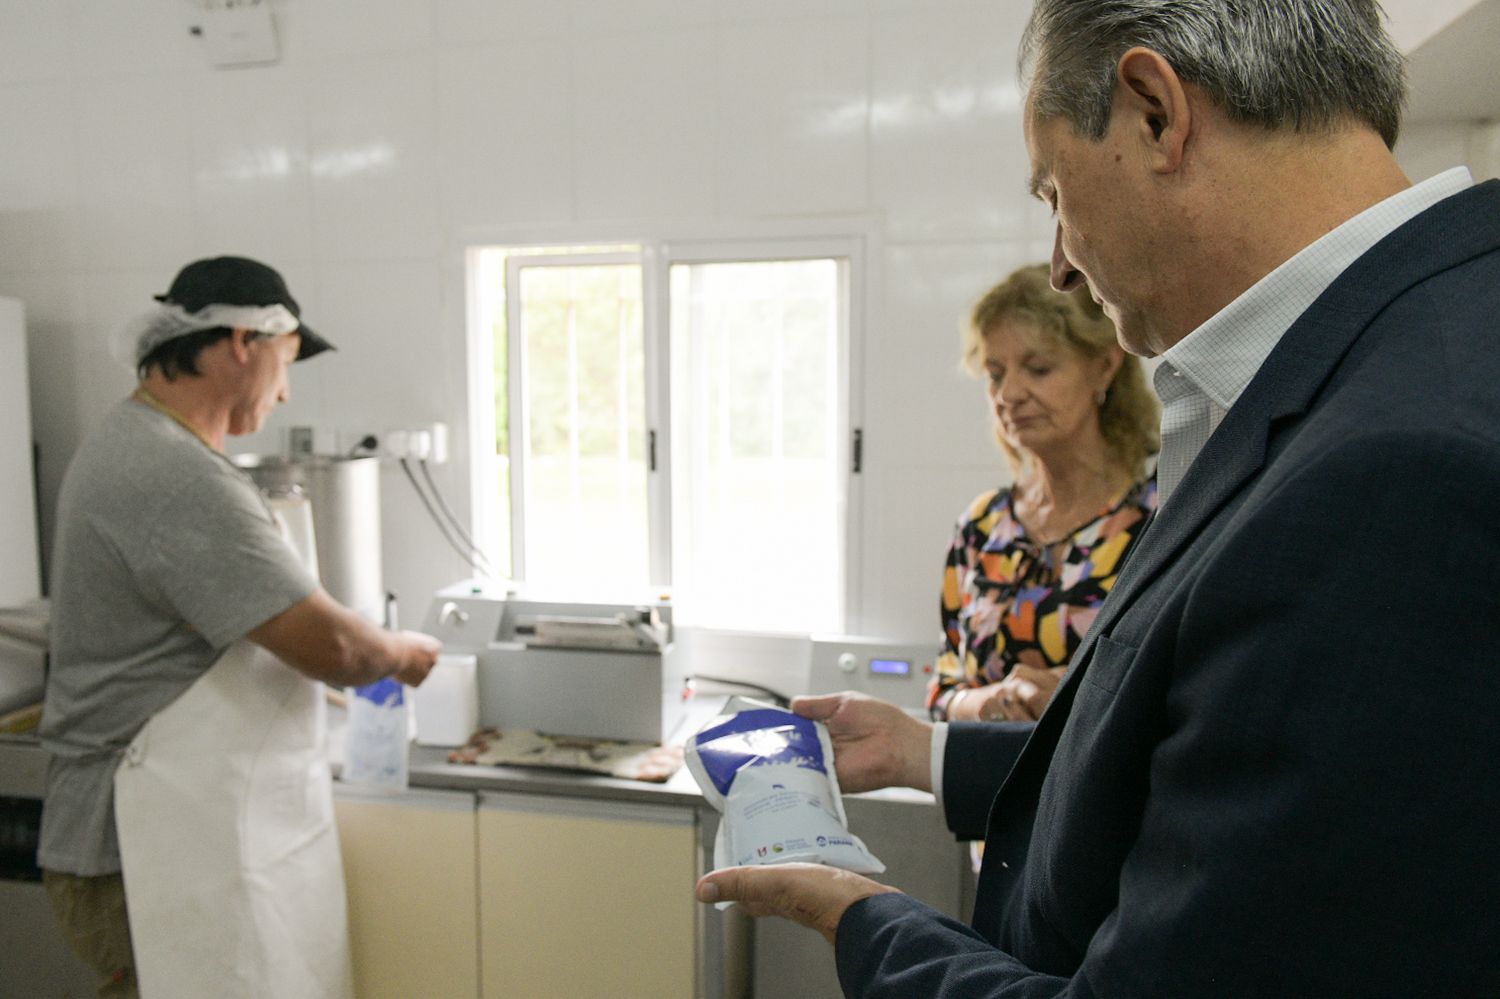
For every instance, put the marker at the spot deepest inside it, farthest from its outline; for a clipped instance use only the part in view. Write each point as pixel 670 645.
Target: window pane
pixel 756 493
pixel 585 472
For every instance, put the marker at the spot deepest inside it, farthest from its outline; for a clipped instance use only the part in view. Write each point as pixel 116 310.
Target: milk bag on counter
pixel 770 773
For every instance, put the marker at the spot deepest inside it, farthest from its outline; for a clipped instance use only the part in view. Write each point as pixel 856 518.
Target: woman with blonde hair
pixel 1030 563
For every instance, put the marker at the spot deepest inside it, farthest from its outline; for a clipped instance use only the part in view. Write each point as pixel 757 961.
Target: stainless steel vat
pixel 345 498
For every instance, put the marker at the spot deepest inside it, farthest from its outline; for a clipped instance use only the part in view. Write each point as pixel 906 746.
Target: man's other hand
pixel 810 894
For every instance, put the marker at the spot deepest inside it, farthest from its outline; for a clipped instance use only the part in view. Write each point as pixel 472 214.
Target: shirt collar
pixel 1222 356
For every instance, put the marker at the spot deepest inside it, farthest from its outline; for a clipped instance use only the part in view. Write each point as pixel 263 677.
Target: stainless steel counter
pixel 430 768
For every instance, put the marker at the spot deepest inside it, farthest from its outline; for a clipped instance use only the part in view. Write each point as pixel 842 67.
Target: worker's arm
pixel 322 638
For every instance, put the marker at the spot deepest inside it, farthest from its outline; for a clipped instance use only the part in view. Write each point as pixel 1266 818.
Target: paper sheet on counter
pixel 525 748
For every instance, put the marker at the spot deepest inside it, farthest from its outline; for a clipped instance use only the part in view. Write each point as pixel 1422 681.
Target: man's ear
pixel 1155 102
pixel 239 344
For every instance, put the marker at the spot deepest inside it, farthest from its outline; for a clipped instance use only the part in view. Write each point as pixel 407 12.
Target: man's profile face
pixel 1090 186
pixel 266 383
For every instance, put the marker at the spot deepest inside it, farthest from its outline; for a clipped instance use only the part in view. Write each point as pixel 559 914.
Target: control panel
pixel 891 669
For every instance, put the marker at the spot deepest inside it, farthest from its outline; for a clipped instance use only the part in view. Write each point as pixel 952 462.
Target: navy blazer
pixel 1274 766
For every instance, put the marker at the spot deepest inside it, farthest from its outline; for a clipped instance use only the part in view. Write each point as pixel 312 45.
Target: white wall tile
pixel 311 31
pixel 494 22
pixel 920 405
pixel 252 195
pixel 373 135
pixel 742 10
pixel 615 16
pixel 417 558
pixel 505 134
pixel 1428 148
pixel 948 159
pixel 1484 152
pixel 933 8
pixel 123 39
pixel 106 301
pixel 910 512
pixel 793 140
pixel 397 367
pixel 34 43
pixel 134 172
pixel 38 181
pixel 644 125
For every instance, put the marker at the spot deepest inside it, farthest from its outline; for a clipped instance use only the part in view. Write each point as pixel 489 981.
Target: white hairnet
pixel 169 321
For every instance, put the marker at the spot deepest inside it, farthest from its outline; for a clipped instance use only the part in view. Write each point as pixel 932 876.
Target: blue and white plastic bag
pixel 770 773
pixel 376 752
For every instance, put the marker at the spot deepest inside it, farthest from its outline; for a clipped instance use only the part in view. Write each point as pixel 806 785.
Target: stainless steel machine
pixel 345 497
pixel 591 670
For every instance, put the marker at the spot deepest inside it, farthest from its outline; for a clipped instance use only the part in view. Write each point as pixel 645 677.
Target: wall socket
pixel 428 443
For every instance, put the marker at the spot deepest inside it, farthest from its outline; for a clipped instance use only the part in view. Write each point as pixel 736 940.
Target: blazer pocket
pixel 1108 664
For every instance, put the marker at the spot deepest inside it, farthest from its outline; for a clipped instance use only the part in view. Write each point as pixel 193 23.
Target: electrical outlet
pixel 427 443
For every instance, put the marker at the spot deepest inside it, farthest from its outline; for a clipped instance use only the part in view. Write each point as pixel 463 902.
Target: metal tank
pixel 345 497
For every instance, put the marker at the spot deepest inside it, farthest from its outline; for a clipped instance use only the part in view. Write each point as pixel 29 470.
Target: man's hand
pixel 419 655
pixel 875 743
pixel 810 894
pixel 327 641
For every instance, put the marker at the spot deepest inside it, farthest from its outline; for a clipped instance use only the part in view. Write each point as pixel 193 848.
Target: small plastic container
pixel 447 703
pixel 376 752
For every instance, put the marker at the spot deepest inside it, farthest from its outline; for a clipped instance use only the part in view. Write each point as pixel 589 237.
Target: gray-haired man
pixel 1271 769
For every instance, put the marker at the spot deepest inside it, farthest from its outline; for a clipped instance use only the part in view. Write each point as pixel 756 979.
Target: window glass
pixel 585 471
pixel 757 492
pixel 747 493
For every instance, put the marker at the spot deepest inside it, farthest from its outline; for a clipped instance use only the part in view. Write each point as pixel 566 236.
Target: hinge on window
pixel 651 450
pixel 857 450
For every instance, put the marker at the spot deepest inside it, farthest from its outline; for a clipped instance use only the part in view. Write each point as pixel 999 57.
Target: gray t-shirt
pixel 165 555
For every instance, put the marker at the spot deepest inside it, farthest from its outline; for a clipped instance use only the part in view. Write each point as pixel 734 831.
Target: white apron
pixel 224 810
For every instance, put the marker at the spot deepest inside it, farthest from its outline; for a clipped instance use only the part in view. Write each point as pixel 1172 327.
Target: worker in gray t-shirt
pixel 187 836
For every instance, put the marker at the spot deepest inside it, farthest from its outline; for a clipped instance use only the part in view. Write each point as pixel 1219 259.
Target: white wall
pixel 1430 147
pixel 394 131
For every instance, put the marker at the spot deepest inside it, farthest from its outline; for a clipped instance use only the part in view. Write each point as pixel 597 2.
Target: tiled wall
pixel 395 132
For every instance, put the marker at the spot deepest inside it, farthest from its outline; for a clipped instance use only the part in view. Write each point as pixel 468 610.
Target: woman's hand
pixel 1021 696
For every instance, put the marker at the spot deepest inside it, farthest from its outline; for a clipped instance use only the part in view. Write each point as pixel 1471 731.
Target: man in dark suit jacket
pixel 1274 766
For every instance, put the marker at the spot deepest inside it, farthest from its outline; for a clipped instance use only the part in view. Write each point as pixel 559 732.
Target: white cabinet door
pixel 409 867
pixel 586 898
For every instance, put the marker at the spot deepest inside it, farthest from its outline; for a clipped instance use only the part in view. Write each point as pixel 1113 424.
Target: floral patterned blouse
pixel 1006 600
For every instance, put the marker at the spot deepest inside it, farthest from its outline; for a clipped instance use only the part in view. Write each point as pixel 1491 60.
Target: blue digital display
pixel 899 667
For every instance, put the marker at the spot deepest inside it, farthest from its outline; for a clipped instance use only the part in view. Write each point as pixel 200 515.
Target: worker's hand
pixel 875 743
pixel 810 894
pixel 1021 696
pixel 419 654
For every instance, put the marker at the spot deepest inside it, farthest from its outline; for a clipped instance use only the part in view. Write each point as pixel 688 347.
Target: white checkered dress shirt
pixel 1203 374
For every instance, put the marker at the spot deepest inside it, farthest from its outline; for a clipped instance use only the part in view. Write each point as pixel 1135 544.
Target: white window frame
pixel 853 241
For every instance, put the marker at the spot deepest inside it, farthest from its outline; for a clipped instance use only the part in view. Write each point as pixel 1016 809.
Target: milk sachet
pixel 770 773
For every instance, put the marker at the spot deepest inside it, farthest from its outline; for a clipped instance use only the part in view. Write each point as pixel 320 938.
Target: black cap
pixel 239 281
